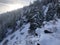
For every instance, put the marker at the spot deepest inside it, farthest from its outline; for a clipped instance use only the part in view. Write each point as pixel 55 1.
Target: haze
pixel 9 5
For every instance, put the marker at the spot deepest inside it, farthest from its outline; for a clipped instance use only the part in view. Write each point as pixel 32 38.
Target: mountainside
pixel 36 24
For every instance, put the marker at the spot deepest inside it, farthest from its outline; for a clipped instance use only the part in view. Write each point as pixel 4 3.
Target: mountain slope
pixel 24 38
pixel 37 24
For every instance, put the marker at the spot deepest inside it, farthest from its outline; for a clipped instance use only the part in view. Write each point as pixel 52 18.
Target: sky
pixel 9 5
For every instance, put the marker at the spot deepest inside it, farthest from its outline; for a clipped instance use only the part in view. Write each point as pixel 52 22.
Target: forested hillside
pixel 36 24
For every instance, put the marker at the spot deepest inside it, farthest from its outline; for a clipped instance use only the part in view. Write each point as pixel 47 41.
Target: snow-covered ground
pixel 17 37
pixel 47 34
pixel 23 38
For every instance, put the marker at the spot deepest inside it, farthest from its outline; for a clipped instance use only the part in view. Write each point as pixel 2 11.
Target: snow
pixel 49 39
pixel 8 31
pixel 18 37
pixel 23 38
pixel 45 9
